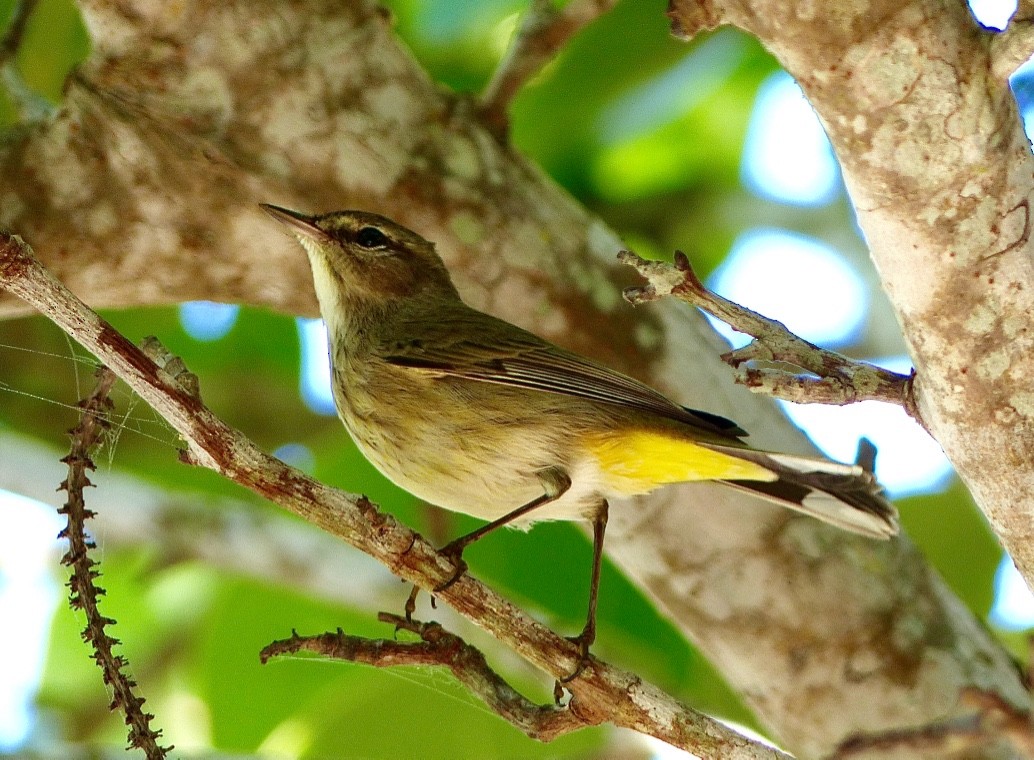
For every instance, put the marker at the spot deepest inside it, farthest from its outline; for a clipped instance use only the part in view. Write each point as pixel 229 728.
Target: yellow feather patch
pixel 637 461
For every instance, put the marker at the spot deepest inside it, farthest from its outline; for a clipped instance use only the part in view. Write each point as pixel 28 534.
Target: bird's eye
pixel 371 237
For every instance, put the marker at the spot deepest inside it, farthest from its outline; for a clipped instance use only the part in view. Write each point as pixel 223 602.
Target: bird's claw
pixel 453 551
pixel 583 641
pixel 410 607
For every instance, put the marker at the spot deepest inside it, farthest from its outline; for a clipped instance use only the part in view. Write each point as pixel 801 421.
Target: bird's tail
pixel 844 495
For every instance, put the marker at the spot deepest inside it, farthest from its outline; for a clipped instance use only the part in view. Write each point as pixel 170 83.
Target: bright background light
pixel 787 157
pixel 28 596
pixel 810 288
pixel 297 455
pixel 1013 607
pixel 908 460
pixel 994 14
pixel 206 320
pixel 802 282
pixel 1022 83
pixel 315 366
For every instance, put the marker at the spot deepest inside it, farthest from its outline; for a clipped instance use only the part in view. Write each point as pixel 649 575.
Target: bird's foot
pixel 454 552
pixel 583 641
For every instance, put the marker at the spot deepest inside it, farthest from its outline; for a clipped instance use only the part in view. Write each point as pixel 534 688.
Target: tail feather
pixel 847 496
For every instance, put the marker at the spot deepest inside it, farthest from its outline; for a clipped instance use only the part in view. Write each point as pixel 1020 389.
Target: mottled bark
pixel 143 191
pixel 919 111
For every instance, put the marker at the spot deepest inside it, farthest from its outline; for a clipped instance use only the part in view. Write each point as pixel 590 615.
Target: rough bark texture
pixel 939 169
pixel 143 191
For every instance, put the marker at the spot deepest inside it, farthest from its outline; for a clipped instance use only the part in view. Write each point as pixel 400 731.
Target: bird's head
pixel 357 254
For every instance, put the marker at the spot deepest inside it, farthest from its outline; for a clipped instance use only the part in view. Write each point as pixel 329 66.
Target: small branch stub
pixel 826 377
pixel 173 365
pixel 1014 45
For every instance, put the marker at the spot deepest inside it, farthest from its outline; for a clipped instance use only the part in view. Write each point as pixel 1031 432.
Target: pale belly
pixel 480 448
pixel 471 460
pixel 452 471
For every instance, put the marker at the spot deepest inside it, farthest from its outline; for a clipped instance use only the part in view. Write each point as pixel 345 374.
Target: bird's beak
pixel 297 222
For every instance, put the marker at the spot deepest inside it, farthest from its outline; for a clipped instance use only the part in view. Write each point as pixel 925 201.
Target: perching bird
pixel 476 415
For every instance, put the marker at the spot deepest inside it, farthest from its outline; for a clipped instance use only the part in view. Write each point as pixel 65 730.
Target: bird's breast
pixel 463 445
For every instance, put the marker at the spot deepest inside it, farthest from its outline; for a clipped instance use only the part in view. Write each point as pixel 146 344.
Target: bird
pixel 474 414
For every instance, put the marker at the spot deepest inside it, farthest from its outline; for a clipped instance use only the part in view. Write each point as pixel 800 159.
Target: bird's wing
pixel 471 345
pixel 479 348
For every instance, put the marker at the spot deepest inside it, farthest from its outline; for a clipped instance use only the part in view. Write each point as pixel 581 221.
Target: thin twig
pixel 600 692
pixel 827 377
pixel 84 592
pixel 438 647
pixel 544 30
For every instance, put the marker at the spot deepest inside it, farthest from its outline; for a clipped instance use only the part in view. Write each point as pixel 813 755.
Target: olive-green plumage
pixel 474 414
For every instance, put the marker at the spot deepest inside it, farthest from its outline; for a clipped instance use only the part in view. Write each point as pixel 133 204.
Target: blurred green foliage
pixel 646 131
pixel 54 42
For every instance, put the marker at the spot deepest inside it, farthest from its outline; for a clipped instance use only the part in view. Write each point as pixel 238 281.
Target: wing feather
pixel 467 344
pixel 497 352
pixel 847 496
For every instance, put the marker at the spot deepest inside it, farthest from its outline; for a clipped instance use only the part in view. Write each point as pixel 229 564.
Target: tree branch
pixel 439 648
pixel 12 40
pixel 987 723
pixel 1014 45
pixel 177 124
pixel 939 169
pixel 601 692
pixel 84 591
pixel 544 30
pixel 31 107
pixel 832 378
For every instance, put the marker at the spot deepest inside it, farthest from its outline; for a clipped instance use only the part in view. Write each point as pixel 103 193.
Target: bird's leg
pixel 588 635
pixel 555 483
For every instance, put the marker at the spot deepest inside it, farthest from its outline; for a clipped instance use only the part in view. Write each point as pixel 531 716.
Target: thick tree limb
pixel 142 191
pixel 600 692
pixel 939 169
pixel 988 722
pixel 832 378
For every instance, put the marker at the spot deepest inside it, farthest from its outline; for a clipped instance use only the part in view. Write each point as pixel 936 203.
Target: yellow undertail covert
pixel 637 461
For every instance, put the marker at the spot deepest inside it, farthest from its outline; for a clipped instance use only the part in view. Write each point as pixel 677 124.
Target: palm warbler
pixel 476 415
